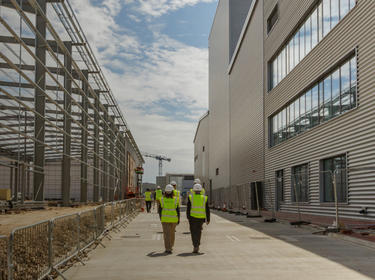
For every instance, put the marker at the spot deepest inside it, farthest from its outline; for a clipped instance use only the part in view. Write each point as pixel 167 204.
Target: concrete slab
pixel 233 247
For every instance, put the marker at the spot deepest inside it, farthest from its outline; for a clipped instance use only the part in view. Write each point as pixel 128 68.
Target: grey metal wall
pixel 246 105
pixel 201 158
pixel 219 97
pixel 352 133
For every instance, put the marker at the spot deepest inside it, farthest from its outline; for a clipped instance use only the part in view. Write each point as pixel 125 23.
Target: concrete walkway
pixel 234 247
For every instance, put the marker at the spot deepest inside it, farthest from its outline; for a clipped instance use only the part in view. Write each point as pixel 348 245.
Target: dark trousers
pixel 148 206
pixel 196 226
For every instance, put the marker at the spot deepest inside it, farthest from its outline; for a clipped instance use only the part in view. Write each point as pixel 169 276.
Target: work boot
pixel 196 250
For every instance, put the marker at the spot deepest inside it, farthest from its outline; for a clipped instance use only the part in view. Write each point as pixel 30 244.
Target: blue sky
pixel 155 57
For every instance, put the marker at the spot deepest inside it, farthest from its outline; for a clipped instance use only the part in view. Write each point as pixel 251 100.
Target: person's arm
pixel 178 213
pixel 207 213
pixel 159 210
pixel 188 209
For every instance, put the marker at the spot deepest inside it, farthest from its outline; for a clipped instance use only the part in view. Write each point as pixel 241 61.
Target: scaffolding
pixel 62 133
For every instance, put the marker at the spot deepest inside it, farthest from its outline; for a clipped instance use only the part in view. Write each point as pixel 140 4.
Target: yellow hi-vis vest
pixel 148 196
pixel 169 210
pixel 198 206
pixel 176 194
pixel 158 194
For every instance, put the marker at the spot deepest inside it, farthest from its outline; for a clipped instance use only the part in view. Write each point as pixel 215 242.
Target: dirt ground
pixel 10 221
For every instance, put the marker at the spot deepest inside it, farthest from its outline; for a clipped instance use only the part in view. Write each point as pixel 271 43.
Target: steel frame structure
pixel 56 105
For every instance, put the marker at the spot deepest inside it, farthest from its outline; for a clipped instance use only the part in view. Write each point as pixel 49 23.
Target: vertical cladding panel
pixel 352 133
pixel 219 97
pixel 246 105
pixel 201 164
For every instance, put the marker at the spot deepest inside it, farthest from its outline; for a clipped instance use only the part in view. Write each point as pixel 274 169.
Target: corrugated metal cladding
pixel 246 105
pixel 352 133
pixel 201 156
pixel 219 97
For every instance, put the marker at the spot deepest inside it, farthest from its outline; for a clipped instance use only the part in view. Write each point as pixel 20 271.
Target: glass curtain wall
pixel 325 16
pixel 333 96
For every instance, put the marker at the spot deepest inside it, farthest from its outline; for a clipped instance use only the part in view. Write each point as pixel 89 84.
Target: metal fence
pixel 39 250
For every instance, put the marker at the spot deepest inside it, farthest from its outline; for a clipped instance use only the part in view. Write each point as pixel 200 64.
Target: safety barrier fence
pixel 38 251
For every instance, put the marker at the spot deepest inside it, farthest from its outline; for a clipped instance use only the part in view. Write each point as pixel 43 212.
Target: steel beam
pixel 66 163
pixel 40 103
pixel 85 87
pixel 105 157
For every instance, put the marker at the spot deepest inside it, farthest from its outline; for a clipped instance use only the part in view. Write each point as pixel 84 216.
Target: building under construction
pixel 62 134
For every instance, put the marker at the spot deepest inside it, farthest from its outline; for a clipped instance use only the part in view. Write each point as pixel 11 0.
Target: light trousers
pixel 169 235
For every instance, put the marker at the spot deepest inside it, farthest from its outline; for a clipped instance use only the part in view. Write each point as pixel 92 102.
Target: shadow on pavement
pixel 353 256
pixel 155 255
pixel 190 254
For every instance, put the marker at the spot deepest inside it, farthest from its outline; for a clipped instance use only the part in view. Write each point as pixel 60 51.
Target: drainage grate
pixel 259 238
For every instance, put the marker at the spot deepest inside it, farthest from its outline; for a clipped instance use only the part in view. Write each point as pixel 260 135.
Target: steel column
pixel 96 149
pixel 84 140
pixel 111 160
pixel 40 104
pixel 66 163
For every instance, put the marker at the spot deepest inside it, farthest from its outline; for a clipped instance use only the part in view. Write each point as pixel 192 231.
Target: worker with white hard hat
pixel 169 212
pixel 197 181
pixel 176 192
pixel 197 213
pixel 158 194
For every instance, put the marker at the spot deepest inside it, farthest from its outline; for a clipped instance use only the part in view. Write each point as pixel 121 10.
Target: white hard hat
pixel 197 181
pixel 158 187
pixel 169 188
pixel 173 183
pixel 197 187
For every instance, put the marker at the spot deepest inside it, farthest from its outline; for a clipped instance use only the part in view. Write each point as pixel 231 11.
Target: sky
pixel 154 54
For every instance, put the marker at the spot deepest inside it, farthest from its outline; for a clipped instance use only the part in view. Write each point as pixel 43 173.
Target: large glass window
pixel 325 15
pixel 333 95
pixel 300 186
pixel 345 86
pixel 344 8
pixel 314 29
pixel 280 185
pixel 308 110
pixel 336 93
pixel 353 82
pixel 327 98
pixel 335 12
pixel 334 169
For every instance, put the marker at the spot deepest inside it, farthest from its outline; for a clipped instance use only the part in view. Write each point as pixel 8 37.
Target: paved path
pixel 239 249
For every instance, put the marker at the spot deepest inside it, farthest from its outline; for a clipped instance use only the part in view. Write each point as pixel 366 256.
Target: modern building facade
pixel 299 106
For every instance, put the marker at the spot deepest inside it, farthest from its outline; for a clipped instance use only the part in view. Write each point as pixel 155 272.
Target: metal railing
pixel 38 251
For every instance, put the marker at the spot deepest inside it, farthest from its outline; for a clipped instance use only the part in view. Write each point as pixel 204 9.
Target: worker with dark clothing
pixel 197 213
pixel 148 200
pixel 169 213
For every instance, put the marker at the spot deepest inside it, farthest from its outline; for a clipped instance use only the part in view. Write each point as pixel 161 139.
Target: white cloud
pixel 157 8
pixel 141 76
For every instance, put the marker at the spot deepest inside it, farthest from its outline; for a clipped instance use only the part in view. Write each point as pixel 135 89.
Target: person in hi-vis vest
pixel 158 195
pixel 148 200
pixel 197 181
pixel 169 212
pixel 176 192
pixel 197 213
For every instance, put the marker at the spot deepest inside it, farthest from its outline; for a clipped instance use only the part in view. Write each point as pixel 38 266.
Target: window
pixel 203 149
pixel 334 168
pixel 333 95
pixel 280 185
pixel 272 19
pixel 325 15
pixel 300 189
pixel 217 171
